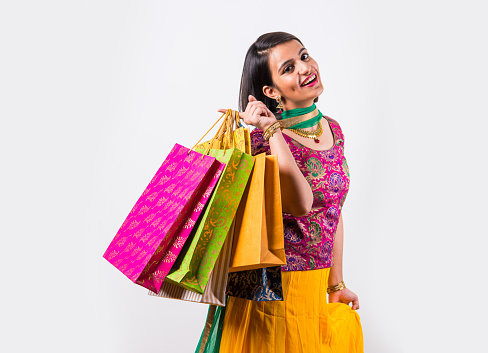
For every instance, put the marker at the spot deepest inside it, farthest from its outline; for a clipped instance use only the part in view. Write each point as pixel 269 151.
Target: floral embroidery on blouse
pixel 309 240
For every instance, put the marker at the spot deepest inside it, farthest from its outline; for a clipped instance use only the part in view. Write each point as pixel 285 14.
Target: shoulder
pixel 336 128
pixel 333 123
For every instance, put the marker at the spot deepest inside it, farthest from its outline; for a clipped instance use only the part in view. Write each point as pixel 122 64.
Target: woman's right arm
pixel 296 194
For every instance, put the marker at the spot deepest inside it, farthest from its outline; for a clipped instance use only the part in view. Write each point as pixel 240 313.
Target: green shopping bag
pixel 193 267
pixel 212 332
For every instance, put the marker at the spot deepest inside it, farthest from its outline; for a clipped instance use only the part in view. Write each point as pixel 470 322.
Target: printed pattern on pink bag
pixel 172 246
pixel 168 204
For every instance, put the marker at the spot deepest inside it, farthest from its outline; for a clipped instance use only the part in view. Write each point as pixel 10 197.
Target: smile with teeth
pixel 309 80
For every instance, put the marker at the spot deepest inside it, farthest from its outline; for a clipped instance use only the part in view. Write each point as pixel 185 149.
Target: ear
pixel 270 92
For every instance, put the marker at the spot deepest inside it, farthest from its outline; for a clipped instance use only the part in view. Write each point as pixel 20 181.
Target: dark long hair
pixel 256 73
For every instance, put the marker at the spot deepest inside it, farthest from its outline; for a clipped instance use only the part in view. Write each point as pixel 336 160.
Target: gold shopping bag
pixel 240 139
pixel 194 266
pixel 258 236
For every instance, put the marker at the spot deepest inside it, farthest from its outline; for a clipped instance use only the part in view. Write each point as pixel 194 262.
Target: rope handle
pixel 225 133
pixel 208 131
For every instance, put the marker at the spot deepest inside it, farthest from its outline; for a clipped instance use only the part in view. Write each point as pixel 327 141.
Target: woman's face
pixel 295 76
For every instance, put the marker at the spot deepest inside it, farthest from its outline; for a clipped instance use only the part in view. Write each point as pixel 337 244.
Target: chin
pixel 318 93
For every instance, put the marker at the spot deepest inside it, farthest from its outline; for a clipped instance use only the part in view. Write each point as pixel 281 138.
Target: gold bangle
pixel 337 287
pixel 271 130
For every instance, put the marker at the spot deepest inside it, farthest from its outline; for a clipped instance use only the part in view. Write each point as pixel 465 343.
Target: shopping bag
pixel 242 140
pixel 263 284
pixel 166 208
pixel 259 240
pixel 172 246
pixel 214 292
pixel 193 267
pixel 212 332
pixel 229 132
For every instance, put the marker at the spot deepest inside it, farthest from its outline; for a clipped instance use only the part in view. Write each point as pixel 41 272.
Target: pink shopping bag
pixel 153 277
pixel 152 235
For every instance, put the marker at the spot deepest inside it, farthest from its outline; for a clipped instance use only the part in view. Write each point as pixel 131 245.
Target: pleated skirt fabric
pixel 302 322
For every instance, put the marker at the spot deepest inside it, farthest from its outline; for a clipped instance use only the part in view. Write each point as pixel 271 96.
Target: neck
pixel 297 105
pixel 286 114
pixel 300 118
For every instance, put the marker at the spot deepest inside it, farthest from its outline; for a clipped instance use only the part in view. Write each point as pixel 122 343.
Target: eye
pixel 287 69
pixel 305 56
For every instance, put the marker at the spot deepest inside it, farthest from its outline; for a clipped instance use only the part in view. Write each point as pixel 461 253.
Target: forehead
pixel 284 52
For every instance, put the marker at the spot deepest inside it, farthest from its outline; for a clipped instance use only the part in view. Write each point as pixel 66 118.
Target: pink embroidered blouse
pixel 309 239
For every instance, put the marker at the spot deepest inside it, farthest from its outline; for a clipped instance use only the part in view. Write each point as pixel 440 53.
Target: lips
pixel 309 81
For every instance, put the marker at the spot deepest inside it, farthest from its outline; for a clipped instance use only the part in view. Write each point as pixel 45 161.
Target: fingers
pixel 355 304
pixel 257 104
pixel 252 108
pixel 255 109
pixel 257 114
pixel 254 101
pixel 345 297
pixel 241 115
pixel 270 113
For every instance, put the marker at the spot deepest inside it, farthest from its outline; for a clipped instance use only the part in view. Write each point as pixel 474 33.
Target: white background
pixel 93 94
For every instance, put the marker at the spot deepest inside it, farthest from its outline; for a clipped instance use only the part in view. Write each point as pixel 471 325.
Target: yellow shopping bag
pixel 242 139
pixel 258 236
pixel 241 136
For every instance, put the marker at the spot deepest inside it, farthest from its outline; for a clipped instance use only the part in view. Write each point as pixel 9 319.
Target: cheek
pixel 290 84
pixel 314 64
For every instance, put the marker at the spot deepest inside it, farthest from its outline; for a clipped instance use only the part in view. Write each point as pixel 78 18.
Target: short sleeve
pixel 258 143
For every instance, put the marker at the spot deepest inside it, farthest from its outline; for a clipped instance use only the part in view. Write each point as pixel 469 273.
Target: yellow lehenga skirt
pixel 302 322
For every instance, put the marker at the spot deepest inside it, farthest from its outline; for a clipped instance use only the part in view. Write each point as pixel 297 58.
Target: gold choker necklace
pixel 310 134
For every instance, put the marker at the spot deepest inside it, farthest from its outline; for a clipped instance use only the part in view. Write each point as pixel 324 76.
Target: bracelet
pixel 337 287
pixel 272 129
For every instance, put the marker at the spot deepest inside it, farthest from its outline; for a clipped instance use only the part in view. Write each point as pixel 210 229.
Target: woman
pixel 279 74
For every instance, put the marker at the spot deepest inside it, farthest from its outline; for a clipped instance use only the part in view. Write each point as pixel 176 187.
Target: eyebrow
pixel 290 60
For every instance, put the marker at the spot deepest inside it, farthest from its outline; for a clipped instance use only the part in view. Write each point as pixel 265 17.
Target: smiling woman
pixel 280 76
pixel 295 75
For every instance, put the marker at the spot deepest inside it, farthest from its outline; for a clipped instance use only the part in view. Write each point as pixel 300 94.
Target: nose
pixel 305 68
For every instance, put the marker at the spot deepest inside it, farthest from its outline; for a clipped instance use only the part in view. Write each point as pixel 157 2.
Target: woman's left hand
pixel 345 296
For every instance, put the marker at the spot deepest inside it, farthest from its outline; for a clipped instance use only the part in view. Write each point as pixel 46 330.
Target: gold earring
pixel 280 104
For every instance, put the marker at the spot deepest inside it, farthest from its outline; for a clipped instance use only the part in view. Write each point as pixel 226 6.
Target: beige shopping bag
pixel 215 290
